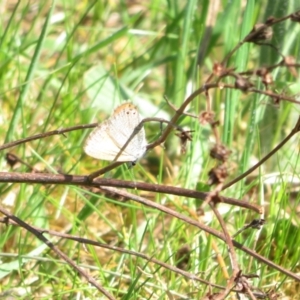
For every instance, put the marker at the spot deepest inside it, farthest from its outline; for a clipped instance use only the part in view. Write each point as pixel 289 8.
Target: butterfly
pixel 108 140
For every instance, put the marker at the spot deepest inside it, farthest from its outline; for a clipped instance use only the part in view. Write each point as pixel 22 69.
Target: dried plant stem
pixel 84 181
pixel 41 237
pixel 295 130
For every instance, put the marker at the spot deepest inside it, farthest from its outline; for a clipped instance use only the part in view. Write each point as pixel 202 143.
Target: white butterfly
pixel 108 138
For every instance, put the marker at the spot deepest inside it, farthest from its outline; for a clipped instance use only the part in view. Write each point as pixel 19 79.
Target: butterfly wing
pixel 100 145
pixel 107 140
pixel 123 124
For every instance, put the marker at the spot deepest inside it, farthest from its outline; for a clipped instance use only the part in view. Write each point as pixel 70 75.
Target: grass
pixel 67 63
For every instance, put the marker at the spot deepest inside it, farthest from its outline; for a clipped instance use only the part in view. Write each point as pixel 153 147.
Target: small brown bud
pixel 242 83
pixel 11 159
pixel 206 117
pixel 290 62
pixel 262 72
pixel 295 17
pixel 259 33
pixel 218 69
pixel 220 152
pixel 217 175
pixel 270 20
pixel 184 136
pixel 267 79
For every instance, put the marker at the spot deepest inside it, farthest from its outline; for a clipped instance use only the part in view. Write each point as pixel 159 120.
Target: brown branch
pixel 46 134
pixel 179 112
pixel 166 132
pixel 295 130
pixel 235 268
pixel 86 241
pixel 274 95
pixel 84 181
pixel 118 249
pixel 41 237
pixel 254 33
pixel 270 68
pixel 199 91
pixel 202 227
